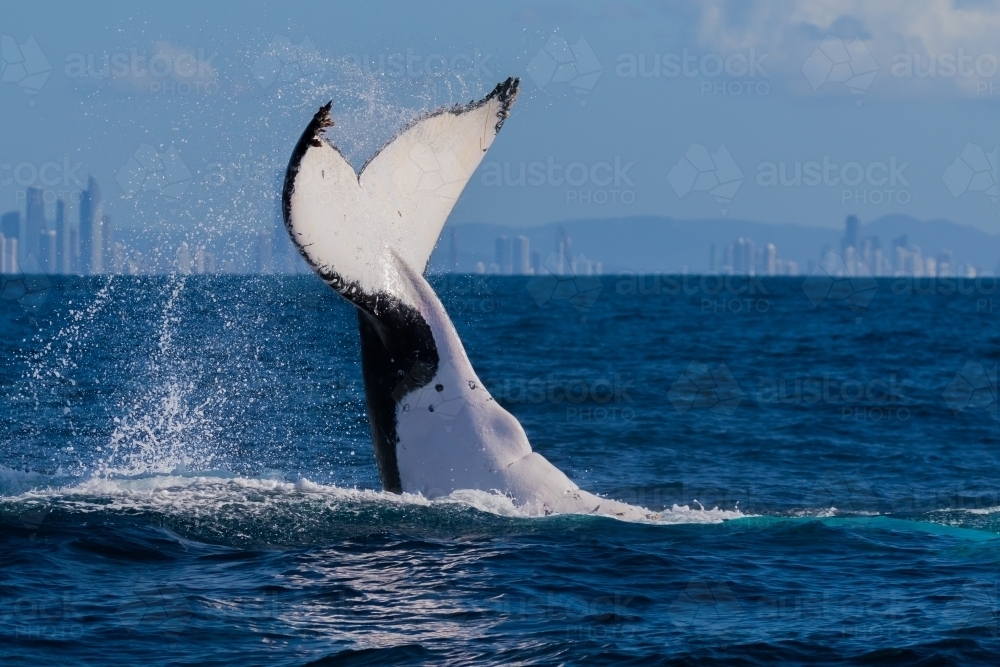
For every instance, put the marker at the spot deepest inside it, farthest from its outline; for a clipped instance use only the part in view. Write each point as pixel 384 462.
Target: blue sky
pixel 891 108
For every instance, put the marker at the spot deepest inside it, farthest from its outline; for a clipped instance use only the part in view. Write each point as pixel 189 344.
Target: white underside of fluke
pixel 454 435
pixel 376 233
pixel 399 203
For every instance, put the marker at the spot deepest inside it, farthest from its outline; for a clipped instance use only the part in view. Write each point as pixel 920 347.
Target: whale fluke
pixel 369 236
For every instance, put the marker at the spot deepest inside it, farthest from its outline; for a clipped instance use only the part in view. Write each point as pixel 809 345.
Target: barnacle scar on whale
pixel 369 236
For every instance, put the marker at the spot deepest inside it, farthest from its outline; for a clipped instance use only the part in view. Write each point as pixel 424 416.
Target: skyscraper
pixel 946 263
pixel 453 250
pixel 852 227
pixel 930 267
pixel 72 262
pixel 204 261
pixel 771 260
pixel 107 242
pixel 62 239
pixel 870 252
pixel 900 254
pixel 34 224
pixel 183 258
pixel 284 257
pixel 914 262
pixel 503 256
pixel 729 259
pixel 564 252
pixel 91 243
pixel 47 255
pixel 8 255
pixel 265 257
pixel 744 257
pixel 10 225
pixel 522 255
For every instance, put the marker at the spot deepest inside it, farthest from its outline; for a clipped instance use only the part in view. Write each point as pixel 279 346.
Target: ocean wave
pixel 206 494
pixel 219 505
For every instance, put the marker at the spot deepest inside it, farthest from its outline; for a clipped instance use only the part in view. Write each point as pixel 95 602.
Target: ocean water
pixel 186 476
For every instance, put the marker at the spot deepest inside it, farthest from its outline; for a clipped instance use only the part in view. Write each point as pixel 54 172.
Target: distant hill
pixel 660 244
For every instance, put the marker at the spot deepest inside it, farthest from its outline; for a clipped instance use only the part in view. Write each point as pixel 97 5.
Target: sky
pixel 779 112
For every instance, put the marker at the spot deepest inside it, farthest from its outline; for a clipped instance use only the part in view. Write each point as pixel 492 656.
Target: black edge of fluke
pixel 311 136
pixel 505 93
pixel 320 121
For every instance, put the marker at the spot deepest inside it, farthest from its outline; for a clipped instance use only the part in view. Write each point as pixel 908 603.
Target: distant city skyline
pixel 198 154
pixel 514 257
pixel 886 246
pixel 780 142
pixel 32 241
pixel 858 256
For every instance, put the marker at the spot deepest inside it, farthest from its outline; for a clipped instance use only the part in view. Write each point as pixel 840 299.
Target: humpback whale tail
pixel 369 236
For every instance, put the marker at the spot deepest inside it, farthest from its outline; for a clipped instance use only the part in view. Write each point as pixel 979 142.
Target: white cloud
pixel 789 31
pixel 166 66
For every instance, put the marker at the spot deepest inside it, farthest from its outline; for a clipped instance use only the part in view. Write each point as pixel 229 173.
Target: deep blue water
pixel 186 477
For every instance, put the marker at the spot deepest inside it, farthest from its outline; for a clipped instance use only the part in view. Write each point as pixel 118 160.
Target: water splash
pixel 56 361
pixel 167 428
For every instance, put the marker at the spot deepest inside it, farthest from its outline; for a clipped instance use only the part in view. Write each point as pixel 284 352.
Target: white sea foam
pixel 815 513
pixel 200 494
pixel 982 511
